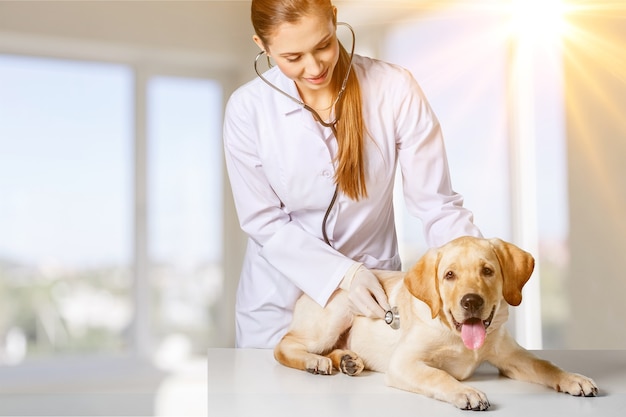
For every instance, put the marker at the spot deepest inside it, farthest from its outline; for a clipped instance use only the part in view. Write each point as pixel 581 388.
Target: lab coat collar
pixel 284 104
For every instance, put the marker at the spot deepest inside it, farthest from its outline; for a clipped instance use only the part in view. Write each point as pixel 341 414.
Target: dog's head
pixel 464 282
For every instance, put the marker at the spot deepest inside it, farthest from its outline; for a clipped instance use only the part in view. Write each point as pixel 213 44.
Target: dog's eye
pixel 487 271
pixel 450 275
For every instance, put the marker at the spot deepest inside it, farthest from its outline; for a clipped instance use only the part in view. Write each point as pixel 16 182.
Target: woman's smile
pixel 319 79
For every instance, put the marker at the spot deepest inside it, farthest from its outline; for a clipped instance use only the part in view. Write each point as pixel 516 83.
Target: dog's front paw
pixel 578 385
pixel 351 364
pixel 471 399
pixel 319 365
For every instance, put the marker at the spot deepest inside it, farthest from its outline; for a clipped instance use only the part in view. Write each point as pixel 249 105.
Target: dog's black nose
pixel 472 303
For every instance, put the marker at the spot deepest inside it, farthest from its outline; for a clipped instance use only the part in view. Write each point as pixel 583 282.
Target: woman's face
pixel 306 51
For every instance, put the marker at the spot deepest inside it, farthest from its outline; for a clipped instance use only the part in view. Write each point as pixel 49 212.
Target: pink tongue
pixel 473 334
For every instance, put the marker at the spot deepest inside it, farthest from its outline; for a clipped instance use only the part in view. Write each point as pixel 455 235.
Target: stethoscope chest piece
pixel 392 318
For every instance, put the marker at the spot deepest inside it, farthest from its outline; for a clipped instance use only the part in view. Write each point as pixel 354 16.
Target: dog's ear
pixel 517 267
pixel 421 281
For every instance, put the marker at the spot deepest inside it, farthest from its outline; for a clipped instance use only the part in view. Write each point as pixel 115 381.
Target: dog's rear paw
pixel 471 399
pixel 351 364
pixel 319 365
pixel 577 385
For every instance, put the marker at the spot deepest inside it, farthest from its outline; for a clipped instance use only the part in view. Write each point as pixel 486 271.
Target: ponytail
pixel 350 175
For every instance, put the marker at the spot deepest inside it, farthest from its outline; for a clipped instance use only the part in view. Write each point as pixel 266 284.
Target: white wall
pixel 596 105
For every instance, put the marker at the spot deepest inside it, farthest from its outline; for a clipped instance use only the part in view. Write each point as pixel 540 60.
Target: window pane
pixel 185 210
pixel 65 206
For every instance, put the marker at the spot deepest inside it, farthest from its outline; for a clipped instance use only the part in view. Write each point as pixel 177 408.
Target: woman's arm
pixel 425 173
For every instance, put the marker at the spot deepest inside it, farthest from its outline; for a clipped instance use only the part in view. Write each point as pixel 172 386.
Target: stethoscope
pixel 302 103
pixel 332 125
pixel 392 317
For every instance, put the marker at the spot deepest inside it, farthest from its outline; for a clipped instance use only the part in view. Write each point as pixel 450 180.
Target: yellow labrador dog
pixel 452 308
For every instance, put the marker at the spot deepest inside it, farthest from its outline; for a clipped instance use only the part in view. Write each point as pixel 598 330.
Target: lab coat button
pixel 326 174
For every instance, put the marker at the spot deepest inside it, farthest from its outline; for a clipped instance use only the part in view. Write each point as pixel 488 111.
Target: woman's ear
pixel 421 281
pixel 517 267
pixel 335 16
pixel 259 43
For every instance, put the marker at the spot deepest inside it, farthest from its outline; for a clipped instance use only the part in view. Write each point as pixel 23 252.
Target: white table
pixel 250 383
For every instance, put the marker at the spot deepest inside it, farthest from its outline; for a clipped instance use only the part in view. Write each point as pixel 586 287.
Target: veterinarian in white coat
pixel 282 165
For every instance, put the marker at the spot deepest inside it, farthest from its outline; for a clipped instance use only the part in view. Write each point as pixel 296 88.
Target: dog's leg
pixel 314 332
pixel 293 352
pixel 518 363
pixel 347 361
pixel 417 376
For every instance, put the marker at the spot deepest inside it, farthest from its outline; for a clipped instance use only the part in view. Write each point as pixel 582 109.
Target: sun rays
pixel 571 53
pixel 594 58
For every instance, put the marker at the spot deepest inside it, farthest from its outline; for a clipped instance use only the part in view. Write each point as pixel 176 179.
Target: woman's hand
pixel 366 294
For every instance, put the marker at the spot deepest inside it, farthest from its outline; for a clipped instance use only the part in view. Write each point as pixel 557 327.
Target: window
pixel 65 207
pixel 69 266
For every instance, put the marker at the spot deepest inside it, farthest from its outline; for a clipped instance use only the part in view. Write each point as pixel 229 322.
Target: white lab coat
pixel 280 165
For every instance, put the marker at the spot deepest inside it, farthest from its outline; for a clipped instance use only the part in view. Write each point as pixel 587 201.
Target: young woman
pixel 311 148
